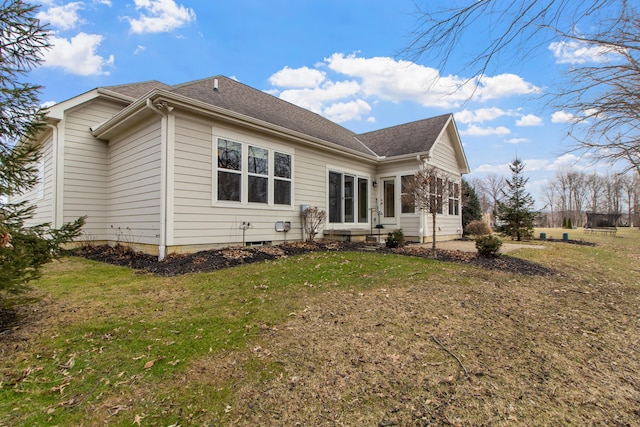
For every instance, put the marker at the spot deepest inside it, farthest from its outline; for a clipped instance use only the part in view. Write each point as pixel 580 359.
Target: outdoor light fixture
pixel 375 184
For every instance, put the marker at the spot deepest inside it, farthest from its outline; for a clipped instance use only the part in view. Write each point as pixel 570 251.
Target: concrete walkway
pixel 470 246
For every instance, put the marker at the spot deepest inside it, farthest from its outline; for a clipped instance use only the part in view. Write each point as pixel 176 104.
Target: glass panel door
pixel 389 198
pixel 363 200
pixel 335 197
pixel 349 199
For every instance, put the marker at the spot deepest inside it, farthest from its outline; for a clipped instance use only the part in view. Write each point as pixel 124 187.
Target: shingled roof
pixel 408 138
pixel 136 90
pixel 240 98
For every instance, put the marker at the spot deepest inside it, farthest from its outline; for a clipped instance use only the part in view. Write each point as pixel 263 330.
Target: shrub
pixel 395 239
pixel 488 246
pixel 312 222
pixel 477 228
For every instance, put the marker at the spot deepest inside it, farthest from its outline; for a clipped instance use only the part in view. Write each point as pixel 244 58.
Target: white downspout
pixel 57 201
pixel 159 109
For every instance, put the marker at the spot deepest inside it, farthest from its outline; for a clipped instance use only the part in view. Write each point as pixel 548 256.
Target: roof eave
pixel 58 110
pixel 105 130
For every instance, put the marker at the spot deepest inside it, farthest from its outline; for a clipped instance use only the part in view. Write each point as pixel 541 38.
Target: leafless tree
pixel 572 190
pixel 629 186
pixel 613 193
pixel 429 192
pixel 551 200
pixel 602 96
pixel 483 195
pixel 594 185
pixel 494 184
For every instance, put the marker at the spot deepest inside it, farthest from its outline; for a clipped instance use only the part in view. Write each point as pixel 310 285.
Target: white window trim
pixel 356 175
pixel 244 172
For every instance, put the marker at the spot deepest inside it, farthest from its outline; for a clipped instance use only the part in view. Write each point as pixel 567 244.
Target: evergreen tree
pixel 471 210
pixel 515 213
pixel 23 249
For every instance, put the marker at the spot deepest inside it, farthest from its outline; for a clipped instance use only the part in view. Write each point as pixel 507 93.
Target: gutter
pixel 163 110
pixel 160 96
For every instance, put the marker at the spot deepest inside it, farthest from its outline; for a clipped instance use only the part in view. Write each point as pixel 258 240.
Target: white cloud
pixel 474 130
pixel 502 169
pixel 529 120
pixel 397 81
pixel 578 52
pixel 313 99
pixel 47 104
pixel 345 111
pixel 480 115
pixel 504 85
pixel 63 17
pixel 140 48
pixel 387 79
pixel 562 117
pixel 532 165
pixel 565 161
pixel 104 2
pixel 78 55
pixel 516 140
pixel 158 16
pixel 303 77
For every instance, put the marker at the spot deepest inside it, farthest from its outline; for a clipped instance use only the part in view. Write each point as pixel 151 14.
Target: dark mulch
pixel 8 319
pixel 211 260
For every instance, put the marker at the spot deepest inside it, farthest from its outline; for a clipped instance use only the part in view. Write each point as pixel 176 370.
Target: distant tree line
pixel 570 195
pixel 574 193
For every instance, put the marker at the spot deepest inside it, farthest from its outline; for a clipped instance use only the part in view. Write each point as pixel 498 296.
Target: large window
pixel 407 196
pixel 229 170
pixel 435 193
pixel 348 198
pixel 454 198
pixel 258 175
pixel 265 173
pixel 282 179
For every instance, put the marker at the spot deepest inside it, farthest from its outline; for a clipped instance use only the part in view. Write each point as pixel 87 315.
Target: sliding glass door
pixel 348 198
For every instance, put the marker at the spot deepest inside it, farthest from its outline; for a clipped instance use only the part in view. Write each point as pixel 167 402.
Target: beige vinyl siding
pixel 443 153
pixel 134 185
pixel 447 226
pixel 86 166
pixel 200 220
pixel 41 196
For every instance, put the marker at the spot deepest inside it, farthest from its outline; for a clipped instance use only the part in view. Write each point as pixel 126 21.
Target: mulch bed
pixel 211 260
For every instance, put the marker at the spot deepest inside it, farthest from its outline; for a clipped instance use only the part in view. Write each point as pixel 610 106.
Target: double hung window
pixel 407 195
pixel 251 174
pixel 454 198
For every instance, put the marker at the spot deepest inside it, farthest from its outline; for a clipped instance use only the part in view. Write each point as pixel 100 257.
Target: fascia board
pixel 58 110
pixel 105 130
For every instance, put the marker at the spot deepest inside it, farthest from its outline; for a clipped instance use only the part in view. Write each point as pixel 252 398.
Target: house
pixel 214 162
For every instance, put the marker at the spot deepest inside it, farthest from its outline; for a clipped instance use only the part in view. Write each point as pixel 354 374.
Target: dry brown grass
pixel 538 351
pixel 437 345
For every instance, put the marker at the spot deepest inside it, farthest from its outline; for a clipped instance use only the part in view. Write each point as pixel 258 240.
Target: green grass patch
pixel 107 345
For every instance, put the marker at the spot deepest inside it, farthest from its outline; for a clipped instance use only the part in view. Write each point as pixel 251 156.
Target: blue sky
pixel 341 59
